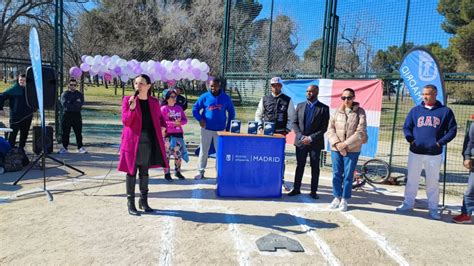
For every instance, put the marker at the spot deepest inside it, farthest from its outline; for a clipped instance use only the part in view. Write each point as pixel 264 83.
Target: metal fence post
pixel 394 125
pixel 225 32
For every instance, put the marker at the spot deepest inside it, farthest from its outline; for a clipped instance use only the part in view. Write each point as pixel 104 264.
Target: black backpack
pixel 15 160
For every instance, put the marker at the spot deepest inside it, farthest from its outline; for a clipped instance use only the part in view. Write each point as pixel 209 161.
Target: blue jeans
pixel 343 173
pixel 468 201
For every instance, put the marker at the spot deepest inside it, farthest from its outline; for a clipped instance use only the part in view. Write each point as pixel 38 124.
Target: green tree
pixel 388 61
pixel 459 20
pixel 312 57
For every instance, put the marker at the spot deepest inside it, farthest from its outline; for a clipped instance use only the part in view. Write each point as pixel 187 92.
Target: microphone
pixel 134 97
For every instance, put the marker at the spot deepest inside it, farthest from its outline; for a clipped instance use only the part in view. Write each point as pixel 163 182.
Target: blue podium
pixel 250 166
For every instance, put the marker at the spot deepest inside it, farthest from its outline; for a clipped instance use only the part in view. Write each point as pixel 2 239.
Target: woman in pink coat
pixel 142 145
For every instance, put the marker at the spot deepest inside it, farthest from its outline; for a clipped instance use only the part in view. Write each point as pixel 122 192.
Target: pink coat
pixel 132 127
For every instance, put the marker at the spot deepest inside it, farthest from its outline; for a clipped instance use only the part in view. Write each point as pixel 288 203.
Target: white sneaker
pixel 335 203
pixel 343 205
pixel 62 150
pixel 404 207
pixel 199 176
pixel 82 150
pixel 434 213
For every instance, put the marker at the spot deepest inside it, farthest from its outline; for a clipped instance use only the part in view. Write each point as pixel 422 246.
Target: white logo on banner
pixel 228 157
pixel 427 70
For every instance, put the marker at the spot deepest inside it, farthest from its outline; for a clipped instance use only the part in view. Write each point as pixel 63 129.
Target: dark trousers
pixel 74 120
pixel 24 127
pixel 301 155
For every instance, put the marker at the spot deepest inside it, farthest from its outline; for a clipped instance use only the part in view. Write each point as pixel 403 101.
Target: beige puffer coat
pixel 349 128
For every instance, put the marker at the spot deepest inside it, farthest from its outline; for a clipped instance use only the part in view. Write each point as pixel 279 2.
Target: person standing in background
pixel 174 138
pixel 21 113
pixel 347 131
pixel 72 101
pixel 468 201
pixel 213 110
pixel 310 123
pixel 277 108
pixel 428 127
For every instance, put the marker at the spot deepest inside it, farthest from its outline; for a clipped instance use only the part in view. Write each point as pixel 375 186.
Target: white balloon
pixel 202 66
pixel 182 64
pixel 203 77
pixel 89 60
pixel 195 63
pixel 95 68
pixel 114 58
pixel 97 59
pixel 168 65
pixel 124 78
pixel 111 65
pixel 122 62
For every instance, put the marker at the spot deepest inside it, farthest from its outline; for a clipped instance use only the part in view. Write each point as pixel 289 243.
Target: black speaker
pixel 48 140
pixel 49 88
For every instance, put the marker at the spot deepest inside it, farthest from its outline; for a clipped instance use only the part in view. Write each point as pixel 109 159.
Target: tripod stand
pixel 42 156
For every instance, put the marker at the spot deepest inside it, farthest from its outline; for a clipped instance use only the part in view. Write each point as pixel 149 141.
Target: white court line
pixel 372 235
pixel 380 240
pixel 320 243
pixel 166 241
pixel 237 236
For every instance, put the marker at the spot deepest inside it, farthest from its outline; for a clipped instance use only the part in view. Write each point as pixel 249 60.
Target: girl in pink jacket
pixel 175 119
pixel 142 146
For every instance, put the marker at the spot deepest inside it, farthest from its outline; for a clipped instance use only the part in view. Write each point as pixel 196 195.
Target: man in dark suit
pixel 310 122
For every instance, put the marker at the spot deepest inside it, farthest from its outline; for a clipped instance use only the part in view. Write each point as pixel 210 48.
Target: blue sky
pixel 382 21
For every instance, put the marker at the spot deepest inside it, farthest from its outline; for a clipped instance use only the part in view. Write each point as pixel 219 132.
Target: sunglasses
pixel 72 85
pixel 349 98
pixel 174 96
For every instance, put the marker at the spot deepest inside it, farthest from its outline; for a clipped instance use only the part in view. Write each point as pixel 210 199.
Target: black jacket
pixel 19 108
pixel 319 125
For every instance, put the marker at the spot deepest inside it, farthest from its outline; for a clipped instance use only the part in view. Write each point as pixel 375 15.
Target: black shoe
pixel 143 204
pixel 314 195
pixel 132 210
pixel 294 193
pixel 168 177
pixel 179 175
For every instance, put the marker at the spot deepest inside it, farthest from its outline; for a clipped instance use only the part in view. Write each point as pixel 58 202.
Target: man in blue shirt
pixel 428 127
pixel 214 110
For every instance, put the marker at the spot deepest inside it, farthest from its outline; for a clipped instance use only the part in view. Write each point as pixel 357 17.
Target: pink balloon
pixel 171 82
pixel 107 77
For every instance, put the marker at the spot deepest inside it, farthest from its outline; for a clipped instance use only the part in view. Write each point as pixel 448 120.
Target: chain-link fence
pixel 277 37
pixel 249 41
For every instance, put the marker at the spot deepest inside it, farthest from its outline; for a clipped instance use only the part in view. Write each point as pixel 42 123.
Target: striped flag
pixel 368 94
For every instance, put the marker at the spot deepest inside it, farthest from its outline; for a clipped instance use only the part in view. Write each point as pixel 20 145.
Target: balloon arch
pixel 110 67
